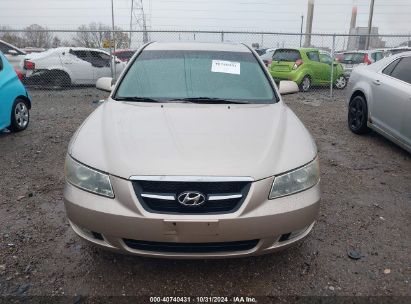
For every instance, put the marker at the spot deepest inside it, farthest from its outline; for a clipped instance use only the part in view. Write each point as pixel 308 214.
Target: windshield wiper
pixel 135 98
pixel 210 100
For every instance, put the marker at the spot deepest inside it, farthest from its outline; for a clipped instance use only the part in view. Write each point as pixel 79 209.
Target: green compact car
pixel 307 67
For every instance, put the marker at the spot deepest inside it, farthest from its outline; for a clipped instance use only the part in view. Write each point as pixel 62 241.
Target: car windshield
pixel 286 55
pixel 173 75
pixel 352 58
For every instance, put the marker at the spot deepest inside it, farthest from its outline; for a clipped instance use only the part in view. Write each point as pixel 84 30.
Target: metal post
pixel 332 68
pixel 367 45
pixel 301 30
pixel 113 39
pixel 145 34
pixel 262 40
pixel 222 36
pixel 131 23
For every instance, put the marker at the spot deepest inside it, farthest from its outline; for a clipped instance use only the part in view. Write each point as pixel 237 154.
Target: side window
pixel 324 58
pixel 313 56
pixel 104 56
pixel 1 64
pixel 389 68
pixel 81 55
pixel 402 70
pixel 100 59
pixel 374 56
pixel 379 56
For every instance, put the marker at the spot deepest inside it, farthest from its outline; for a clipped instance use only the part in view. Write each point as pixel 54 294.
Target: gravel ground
pixel 366 184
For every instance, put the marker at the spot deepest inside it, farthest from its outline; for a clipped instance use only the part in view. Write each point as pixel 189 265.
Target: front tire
pixel 20 115
pixel 341 82
pixel 358 115
pixel 305 84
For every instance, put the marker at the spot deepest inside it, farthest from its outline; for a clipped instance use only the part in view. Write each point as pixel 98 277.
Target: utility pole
pixel 301 30
pixel 367 46
pixel 138 17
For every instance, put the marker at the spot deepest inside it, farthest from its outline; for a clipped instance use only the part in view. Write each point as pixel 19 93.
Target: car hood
pixel 258 141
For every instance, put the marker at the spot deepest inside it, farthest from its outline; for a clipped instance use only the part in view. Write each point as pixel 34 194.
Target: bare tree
pixel 37 36
pixel 10 37
pixel 56 42
pixel 93 35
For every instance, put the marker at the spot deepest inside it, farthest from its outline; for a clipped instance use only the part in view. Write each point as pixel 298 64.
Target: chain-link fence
pixel 320 63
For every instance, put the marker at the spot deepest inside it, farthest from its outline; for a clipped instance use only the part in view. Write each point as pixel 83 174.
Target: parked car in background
pixel 398 50
pixel 379 98
pixel 14 55
pixel 171 167
pixel 307 67
pixel 261 51
pixel 29 50
pixel 124 55
pixel 67 66
pixel 353 59
pixel 15 102
pixel 267 57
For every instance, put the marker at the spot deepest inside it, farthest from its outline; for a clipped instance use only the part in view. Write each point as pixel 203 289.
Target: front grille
pixel 191 247
pixel 162 196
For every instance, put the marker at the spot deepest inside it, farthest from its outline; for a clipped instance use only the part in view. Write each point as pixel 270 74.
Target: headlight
pixel 87 178
pixel 296 180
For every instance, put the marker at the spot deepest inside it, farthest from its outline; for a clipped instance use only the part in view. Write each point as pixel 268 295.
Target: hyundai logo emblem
pixel 191 199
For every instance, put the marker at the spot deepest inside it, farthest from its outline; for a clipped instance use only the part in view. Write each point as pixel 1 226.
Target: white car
pixel 67 66
pixel 267 57
pixel 379 97
pixel 13 54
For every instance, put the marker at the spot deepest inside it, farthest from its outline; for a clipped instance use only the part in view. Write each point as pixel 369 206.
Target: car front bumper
pixel 109 223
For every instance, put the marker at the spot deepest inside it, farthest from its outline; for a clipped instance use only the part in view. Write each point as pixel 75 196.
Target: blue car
pixel 15 102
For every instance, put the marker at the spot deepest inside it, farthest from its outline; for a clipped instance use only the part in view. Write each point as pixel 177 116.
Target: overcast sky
pixel 391 16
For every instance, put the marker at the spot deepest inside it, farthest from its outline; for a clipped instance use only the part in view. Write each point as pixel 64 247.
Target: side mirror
pixel 104 84
pixel 13 52
pixel 288 87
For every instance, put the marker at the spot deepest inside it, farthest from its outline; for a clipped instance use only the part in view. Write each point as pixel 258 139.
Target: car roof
pixel 403 54
pixel 298 49
pixel 75 48
pixel 124 50
pixel 364 51
pixel 197 46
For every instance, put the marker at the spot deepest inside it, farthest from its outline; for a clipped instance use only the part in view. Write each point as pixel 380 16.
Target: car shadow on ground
pixel 34 87
pixel 229 267
pixel 382 141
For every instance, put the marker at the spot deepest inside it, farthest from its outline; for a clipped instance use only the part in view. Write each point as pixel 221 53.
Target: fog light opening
pixel 292 235
pixel 92 234
pixel 97 236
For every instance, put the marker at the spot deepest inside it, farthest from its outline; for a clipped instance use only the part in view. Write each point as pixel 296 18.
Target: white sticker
pixel 229 67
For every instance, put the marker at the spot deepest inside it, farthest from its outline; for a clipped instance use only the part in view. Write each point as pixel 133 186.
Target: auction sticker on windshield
pixel 229 67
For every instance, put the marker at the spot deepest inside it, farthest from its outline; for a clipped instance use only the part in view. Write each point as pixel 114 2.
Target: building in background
pixel 359 42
